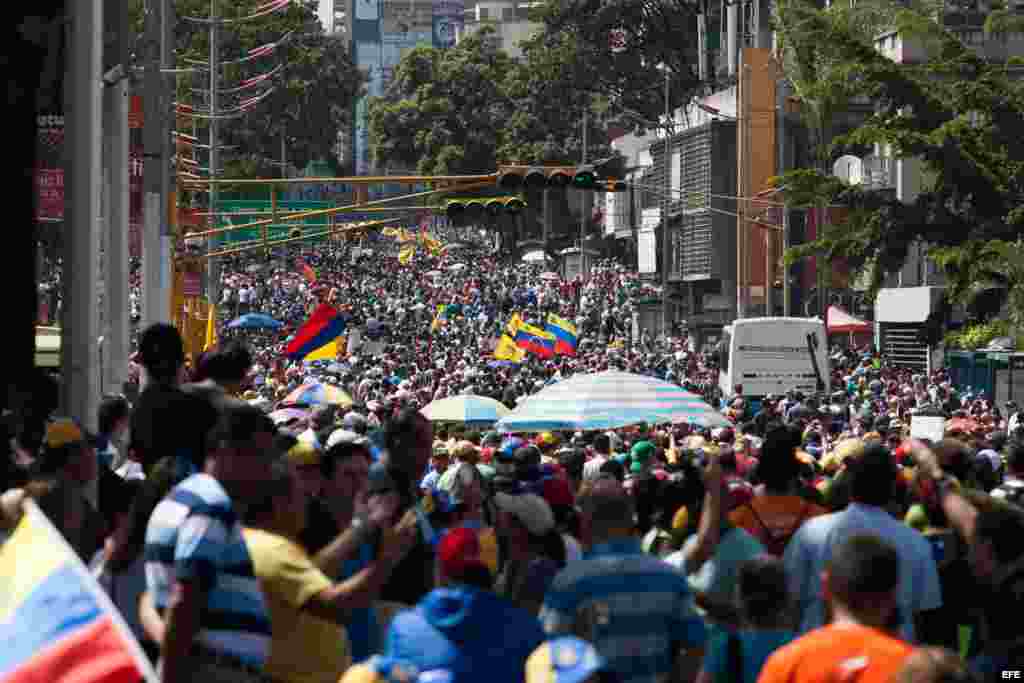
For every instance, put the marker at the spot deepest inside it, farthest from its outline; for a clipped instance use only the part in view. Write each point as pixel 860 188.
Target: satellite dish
pixel 849 169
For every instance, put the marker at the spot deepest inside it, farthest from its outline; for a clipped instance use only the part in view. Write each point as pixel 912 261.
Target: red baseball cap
pixel 458 551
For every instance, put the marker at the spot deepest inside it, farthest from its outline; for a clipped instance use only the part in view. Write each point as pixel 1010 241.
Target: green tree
pixel 315 91
pixel 443 110
pixel 613 49
pixel 470 108
pixel 960 115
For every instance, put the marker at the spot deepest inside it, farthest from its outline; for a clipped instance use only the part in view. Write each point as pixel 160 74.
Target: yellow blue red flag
pixel 535 340
pixel 566 337
pixel 56 623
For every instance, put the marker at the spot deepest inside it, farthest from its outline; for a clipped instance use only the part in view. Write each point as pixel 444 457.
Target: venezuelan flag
pixel 565 334
pixel 535 340
pixel 324 326
pixel 56 623
pixel 507 350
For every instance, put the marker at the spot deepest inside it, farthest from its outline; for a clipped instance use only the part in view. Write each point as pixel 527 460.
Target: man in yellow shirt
pixel 308 641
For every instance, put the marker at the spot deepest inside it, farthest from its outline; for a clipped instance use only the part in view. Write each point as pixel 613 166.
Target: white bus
pixel 771 356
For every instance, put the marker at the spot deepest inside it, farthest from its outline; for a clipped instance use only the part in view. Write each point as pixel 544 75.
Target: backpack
pixel 774 542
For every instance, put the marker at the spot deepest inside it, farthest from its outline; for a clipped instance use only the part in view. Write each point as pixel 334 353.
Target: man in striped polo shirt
pixel 636 610
pixel 198 569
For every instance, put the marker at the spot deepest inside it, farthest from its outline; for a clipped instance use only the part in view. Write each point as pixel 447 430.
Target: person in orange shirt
pixel 860 586
pixel 775 515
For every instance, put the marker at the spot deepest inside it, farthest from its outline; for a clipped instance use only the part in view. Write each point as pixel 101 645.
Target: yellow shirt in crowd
pixel 303 648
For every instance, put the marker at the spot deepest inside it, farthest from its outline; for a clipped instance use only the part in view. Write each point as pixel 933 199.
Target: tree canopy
pixel 468 108
pixel 959 114
pixel 615 48
pixel 315 91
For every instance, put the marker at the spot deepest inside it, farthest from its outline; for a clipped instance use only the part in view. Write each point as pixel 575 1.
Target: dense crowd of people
pixel 811 540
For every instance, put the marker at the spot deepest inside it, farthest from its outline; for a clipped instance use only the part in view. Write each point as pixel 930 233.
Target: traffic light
pixel 468 209
pixel 534 177
pixel 585 178
pixel 598 176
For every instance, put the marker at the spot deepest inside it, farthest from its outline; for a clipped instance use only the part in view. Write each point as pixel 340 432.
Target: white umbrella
pixel 455 267
pixel 433 273
pixel 550 276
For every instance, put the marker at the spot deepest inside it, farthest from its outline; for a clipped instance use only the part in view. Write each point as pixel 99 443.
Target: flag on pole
pixel 324 326
pixel 565 334
pixel 56 623
pixel 211 328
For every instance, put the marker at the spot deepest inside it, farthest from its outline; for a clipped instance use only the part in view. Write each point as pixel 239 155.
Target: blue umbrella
pixel 609 400
pixel 255 321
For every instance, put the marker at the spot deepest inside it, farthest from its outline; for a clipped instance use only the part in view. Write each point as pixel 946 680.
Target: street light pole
pixel 667 178
pixel 213 265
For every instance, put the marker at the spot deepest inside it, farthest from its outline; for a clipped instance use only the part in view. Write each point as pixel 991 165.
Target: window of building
pixel 508 13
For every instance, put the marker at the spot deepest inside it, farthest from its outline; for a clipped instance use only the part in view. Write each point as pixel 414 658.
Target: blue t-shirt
pixel 755 648
pixel 362 625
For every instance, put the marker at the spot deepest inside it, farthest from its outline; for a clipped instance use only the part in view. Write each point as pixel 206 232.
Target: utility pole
pixel 787 294
pixel 665 199
pixel 79 331
pixel 586 196
pixel 117 181
pixel 213 265
pixel 156 139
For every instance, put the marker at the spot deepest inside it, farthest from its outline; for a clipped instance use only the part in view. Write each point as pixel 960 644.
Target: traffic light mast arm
pixel 348 180
pixel 340 209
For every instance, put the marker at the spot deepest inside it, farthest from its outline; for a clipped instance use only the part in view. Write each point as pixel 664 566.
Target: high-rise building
pixel 333 16
pixel 380 33
pixel 509 19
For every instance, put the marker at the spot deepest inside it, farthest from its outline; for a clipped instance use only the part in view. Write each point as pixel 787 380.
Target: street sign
pixel 999 357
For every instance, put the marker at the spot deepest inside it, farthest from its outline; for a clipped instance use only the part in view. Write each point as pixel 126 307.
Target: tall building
pixel 380 33
pixel 333 16
pixel 509 19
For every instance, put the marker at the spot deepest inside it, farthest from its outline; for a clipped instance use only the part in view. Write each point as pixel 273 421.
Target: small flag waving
pixel 324 326
pixel 211 329
pixel 565 334
pixel 56 623
pixel 439 317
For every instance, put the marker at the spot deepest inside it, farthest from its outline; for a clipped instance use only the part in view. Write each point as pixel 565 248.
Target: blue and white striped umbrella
pixel 609 400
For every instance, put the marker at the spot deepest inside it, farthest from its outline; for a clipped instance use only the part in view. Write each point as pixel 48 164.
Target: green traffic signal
pixel 585 178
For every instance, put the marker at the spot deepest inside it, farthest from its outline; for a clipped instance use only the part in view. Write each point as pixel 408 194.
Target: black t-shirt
pixel 167 422
pixel 320 529
pixel 413 578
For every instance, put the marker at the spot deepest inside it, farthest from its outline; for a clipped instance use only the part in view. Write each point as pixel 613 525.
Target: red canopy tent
pixel 838 321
